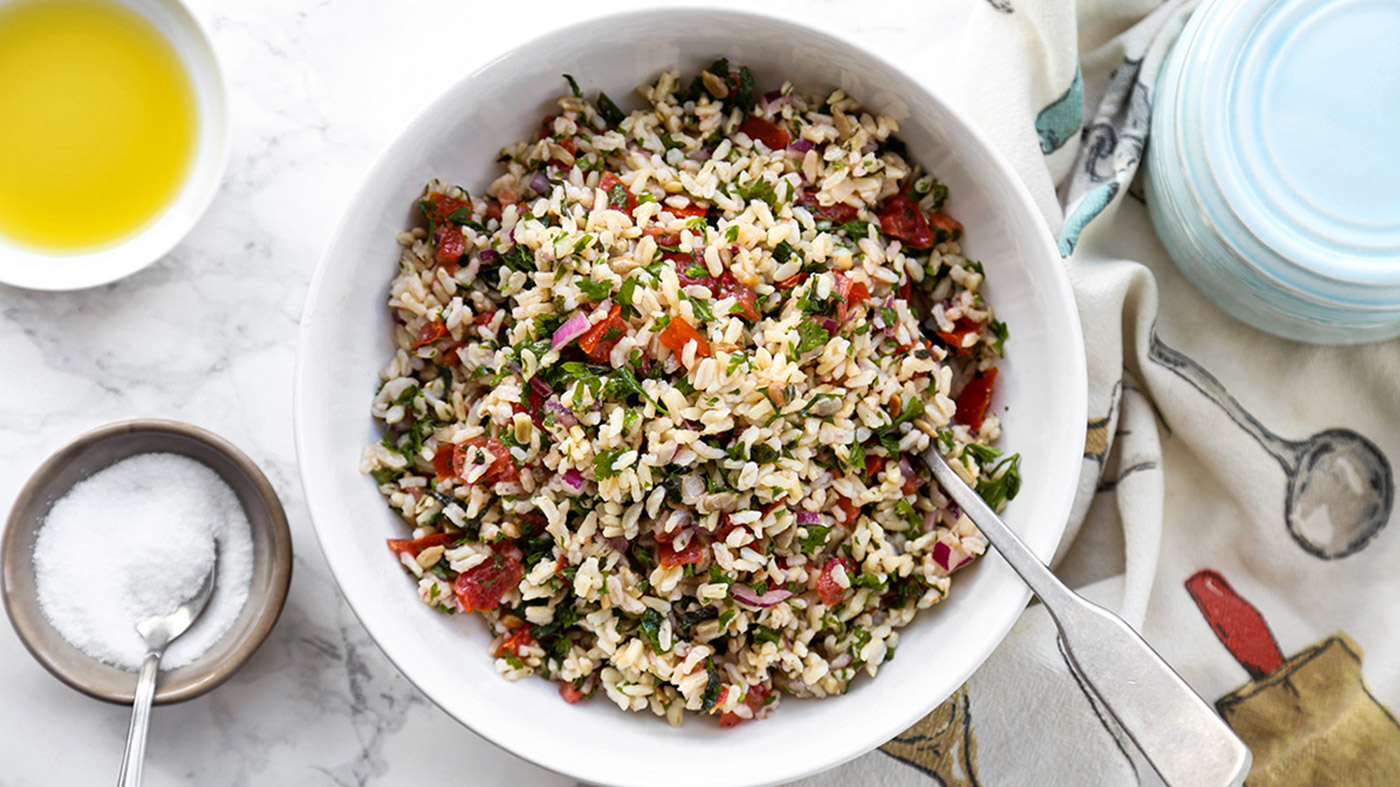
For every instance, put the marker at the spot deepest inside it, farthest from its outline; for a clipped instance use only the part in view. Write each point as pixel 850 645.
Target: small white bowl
pixel 24 266
pixel 346 339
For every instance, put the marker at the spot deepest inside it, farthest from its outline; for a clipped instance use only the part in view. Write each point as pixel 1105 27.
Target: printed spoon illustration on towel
pixel 1340 487
pixel 1309 719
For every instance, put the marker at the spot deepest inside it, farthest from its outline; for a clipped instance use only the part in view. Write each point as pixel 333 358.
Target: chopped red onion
pixel 801 145
pixel 774 99
pixel 541 387
pixel 562 415
pixel 540 184
pixel 930 522
pixel 955 511
pixel 620 544
pixel 831 327
pixel 489 256
pixel 572 328
pixel 573 479
pixel 746 595
pixel 906 469
pixel 809 518
pixel 948 558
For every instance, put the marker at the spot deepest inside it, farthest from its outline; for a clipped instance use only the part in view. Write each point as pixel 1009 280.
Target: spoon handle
pixel 140 722
pixel 1175 730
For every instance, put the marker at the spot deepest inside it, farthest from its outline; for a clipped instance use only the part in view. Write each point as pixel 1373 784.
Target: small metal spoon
pixel 1174 729
pixel 158 632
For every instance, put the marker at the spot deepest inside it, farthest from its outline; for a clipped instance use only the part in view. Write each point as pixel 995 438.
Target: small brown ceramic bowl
pixel 272 558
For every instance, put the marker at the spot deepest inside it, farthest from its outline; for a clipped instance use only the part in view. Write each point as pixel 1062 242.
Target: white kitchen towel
pixel 1236 486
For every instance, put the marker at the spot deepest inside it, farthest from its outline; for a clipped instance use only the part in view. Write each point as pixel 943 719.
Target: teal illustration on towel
pixel 1062 118
pixel 1090 206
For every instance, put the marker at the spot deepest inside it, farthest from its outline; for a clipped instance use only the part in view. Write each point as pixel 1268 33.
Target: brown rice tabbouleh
pixel 659 396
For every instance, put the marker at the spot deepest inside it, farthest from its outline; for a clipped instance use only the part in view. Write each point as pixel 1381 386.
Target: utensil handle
pixel 140 722
pixel 1175 730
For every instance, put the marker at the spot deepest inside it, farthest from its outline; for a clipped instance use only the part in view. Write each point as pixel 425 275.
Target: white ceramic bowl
pixel 345 340
pixel 23 266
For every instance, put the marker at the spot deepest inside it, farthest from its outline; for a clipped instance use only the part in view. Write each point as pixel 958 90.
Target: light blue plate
pixel 1274 164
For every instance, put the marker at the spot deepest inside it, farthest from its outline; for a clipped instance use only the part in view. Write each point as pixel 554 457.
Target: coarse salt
pixel 135 540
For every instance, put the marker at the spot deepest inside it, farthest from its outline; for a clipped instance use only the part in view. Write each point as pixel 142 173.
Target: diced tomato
pixel 848 508
pixel 728 719
pixel 852 293
pixel 568 144
pixel 689 211
pixel 483 318
pixel 442 461
pixel 429 333
pixel 482 587
pixel 440 206
pixel 534 405
pixel 905 289
pixel 413 546
pixel 900 217
pixel 912 483
pixel 685 262
pixel 962 328
pixel 839 212
pixel 742 293
pixel 619 197
pixel 451 245
pixel 662 237
pixel 493 209
pixel 502 467
pixel 769 133
pixel 974 399
pixel 792 282
pixel 945 227
pixel 569 692
pixel 874 465
pixel 561 564
pixel 726 526
pixel 516 642
pixel 678 333
pixel 598 342
pixel 668 557
pixel 828 589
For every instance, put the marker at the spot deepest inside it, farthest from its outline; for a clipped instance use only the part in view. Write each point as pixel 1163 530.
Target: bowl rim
pixel 280 558
pixel 1059 283
pixel 31 268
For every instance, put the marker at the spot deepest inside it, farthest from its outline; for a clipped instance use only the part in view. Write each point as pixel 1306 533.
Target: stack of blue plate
pixel 1274 164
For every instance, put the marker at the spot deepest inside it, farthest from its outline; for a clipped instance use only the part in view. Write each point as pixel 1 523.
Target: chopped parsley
pixel 626 295
pixel 573 86
pixel 814 540
pixel 650 629
pixel 1003 483
pixel 463 217
pixel 811 336
pixel 603 463
pixel 608 111
pixel 595 290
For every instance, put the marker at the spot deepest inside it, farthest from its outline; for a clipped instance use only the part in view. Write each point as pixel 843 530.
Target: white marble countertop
pixel 208 335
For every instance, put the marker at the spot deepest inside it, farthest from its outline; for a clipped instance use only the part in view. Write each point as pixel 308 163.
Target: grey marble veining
pixel 208 335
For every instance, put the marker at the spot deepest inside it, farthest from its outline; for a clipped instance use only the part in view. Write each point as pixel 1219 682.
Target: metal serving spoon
pixel 158 632
pixel 1176 731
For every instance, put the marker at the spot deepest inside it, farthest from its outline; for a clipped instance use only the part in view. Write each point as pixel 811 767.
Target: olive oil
pixel 98 123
